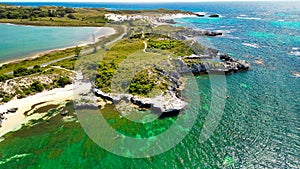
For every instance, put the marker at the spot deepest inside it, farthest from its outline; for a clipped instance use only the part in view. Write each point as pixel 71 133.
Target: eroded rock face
pixel 226 64
pixel 166 102
pixel 197 32
pixel 222 67
pixel 169 101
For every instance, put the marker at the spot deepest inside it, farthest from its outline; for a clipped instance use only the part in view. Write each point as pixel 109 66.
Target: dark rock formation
pixel 12 110
pixel 225 57
pixel 199 15
pixel 226 65
pixel 169 21
pixel 213 33
pixel 214 16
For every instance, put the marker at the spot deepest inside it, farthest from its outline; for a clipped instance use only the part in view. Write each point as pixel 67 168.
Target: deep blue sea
pixel 260 124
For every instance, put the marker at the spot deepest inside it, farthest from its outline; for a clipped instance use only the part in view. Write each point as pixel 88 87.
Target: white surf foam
pixel 249 18
pixel 253 45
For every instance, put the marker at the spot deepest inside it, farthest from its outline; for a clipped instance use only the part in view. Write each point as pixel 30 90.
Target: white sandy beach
pixel 14 121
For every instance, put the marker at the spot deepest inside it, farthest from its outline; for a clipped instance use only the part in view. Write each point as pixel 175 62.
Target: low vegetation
pixel 176 47
pixel 10 67
pixel 33 85
pixel 52 16
pixel 22 71
pixel 11 12
pixel 146 81
pixel 112 58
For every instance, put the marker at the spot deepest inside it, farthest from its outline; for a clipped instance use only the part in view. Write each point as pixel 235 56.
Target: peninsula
pixel 153 53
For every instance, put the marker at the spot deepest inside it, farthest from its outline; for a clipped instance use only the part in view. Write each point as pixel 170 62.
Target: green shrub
pixel 177 47
pixel 6 98
pixel 37 86
pixel 5 77
pixel 21 71
pixel 63 81
pixel 71 16
pixel 144 82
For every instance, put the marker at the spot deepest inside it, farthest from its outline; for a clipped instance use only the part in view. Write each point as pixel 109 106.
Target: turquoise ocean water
pixel 259 128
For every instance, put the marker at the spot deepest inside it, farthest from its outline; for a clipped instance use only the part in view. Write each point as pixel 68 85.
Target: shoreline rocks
pixel 164 103
pixel 200 14
pixel 12 110
pixel 226 65
pixel 214 16
pixel 2 115
pixel 195 32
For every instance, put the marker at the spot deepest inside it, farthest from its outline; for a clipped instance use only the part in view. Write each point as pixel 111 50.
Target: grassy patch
pixel 66 63
pixel 176 47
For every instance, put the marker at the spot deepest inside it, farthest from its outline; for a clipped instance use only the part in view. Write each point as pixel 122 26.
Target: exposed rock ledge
pixel 190 33
pixel 170 101
pixel 226 64
pixel 167 102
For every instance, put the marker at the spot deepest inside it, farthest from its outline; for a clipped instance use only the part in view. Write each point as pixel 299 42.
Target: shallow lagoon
pixel 17 42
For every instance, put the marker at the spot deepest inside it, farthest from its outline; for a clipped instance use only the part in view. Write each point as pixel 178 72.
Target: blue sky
pixel 126 0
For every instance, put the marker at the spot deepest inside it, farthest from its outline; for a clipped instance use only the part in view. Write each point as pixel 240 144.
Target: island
pixel 154 54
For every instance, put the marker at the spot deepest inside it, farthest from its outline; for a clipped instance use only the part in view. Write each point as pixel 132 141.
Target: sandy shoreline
pixel 14 121
pixel 98 33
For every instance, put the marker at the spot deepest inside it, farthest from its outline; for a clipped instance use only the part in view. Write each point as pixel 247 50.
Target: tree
pixel 77 51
